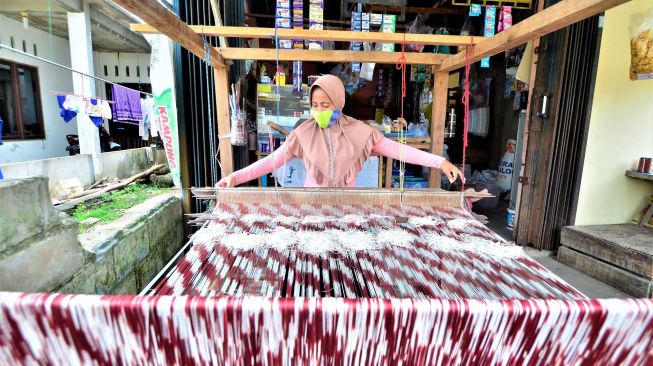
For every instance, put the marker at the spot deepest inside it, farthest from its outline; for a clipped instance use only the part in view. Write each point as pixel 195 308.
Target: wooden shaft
pixel 438 120
pixel 270 54
pixel 165 22
pixel 275 126
pixel 221 75
pixel 549 20
pixel 324 35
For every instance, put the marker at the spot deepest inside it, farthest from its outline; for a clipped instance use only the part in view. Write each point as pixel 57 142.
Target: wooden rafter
pixel 548 20
pixel 169 24
pixel 324 35
pixel 330 56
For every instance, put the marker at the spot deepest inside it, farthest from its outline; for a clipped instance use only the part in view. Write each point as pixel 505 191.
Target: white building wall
pixel 50 78
pixel 122 60
pixel 53 78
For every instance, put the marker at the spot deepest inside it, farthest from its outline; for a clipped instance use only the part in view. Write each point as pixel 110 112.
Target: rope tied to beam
pixel 401 65
pixel 469 52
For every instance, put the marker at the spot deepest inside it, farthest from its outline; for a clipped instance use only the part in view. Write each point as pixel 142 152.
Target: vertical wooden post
pixel 438 119
pixel 221 75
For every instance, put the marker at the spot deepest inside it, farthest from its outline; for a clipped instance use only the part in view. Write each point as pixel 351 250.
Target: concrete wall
pixel 620 131
pixel 38 246
pixel 122 60
pixel 115 164
pixel 127 253
pixel 125 163
pixel 41 250
pixel 56 169
pixel 51 78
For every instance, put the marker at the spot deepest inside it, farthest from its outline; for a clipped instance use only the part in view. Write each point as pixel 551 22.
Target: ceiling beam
pixel 169 24
pixel 110 25
pixel 73 6
pixel 269 54
pixel 549 20
pixel 326 35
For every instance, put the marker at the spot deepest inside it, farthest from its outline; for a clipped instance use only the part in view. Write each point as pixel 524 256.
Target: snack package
pixel 641 45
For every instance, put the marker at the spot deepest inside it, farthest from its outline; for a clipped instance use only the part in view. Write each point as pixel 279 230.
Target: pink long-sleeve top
pixel 384 146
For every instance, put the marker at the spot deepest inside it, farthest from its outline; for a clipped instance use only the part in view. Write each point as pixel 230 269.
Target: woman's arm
pixel 392 149
pixel 264 166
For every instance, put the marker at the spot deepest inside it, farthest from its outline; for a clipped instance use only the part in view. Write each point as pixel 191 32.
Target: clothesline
pixel 81 96
pixel 67 68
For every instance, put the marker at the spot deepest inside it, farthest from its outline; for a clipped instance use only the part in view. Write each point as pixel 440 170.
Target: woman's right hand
pixel 227 182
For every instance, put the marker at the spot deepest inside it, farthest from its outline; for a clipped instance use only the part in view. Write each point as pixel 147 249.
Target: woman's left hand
pixel 451 171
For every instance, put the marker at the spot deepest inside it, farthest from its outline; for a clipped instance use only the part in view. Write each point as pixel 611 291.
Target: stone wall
pixel 127 253
pixel 41 250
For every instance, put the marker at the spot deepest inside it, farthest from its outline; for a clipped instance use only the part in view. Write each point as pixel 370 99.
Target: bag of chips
pixel 641 45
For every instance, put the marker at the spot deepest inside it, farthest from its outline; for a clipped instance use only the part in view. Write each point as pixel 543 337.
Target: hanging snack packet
pixel 641 45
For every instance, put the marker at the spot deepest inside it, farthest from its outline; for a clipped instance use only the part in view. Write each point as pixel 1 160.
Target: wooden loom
pixel 423 304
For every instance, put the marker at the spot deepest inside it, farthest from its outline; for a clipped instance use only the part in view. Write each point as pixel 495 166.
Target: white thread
pixel 313 219
pixel 286 220
pixel 355 241
pixel 462 223
pixel 253 218
pixel 425 221
pixel 281 238
pixel 357 220
pixel 315 242
pixel 243 241
pixel 399 238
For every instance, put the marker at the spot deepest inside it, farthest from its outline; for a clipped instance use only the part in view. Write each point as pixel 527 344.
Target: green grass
pixel 112 205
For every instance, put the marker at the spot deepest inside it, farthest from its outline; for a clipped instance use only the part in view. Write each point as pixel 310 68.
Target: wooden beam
pixel 324 35
pixel 438 119
pixel 215 8
pixel 270 54
pixel 417 10
pixel 221 75
pixel 549 20
pixel 169 24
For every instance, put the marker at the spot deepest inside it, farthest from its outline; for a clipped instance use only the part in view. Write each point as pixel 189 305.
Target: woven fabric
pixel 81 329
pixel 445 253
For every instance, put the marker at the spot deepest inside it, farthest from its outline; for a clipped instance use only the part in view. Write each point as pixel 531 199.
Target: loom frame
pixel 160 20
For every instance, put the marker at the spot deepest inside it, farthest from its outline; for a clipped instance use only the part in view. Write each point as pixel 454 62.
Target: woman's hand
pixel 227 182
pixel 451 171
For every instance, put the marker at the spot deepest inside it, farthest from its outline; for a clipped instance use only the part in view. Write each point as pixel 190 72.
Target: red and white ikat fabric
pixel 346 285
pixel 180 330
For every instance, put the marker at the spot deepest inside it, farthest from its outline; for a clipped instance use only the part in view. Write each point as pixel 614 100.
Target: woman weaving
pixel 334 147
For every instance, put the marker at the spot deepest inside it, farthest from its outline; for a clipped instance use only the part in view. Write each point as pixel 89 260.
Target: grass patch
pixel 112 205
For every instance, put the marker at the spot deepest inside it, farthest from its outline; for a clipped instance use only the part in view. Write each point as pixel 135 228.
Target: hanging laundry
pixel 127 105
pixel 149 116
pixel 105 109
pixel 92 109
pixel 72 103
pixel 65 113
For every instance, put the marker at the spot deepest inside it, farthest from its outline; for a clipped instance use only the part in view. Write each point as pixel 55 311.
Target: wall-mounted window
pixel 20 102
pixel 106 71
pixel 138 71
pixel 24 46
pixel 127 71
pixel 115 68
pixel 35 50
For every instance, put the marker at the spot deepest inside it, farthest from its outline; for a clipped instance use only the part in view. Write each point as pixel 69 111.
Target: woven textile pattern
pixel 325 285
pixel 435 253
pixel 166 330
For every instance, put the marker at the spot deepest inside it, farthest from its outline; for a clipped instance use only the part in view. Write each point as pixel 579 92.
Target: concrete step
pixel 616 277
pixel 619 255
pixel 627 246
